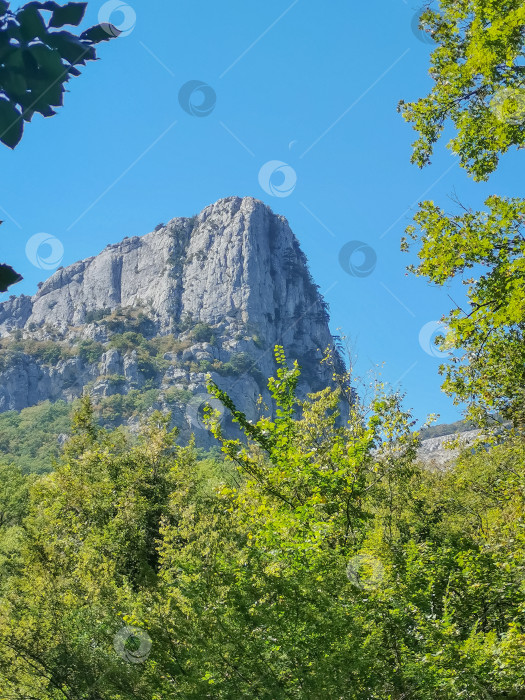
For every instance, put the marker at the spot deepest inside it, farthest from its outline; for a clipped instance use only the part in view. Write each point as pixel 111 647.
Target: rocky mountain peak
pixel 214 292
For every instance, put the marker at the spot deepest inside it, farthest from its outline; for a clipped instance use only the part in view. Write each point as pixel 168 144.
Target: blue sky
pixel 312 85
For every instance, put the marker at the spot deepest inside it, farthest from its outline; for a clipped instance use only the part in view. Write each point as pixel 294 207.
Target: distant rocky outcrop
pixel 439 452
pixel 140 324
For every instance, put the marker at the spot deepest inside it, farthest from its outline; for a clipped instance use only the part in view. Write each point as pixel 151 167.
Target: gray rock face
pixel 438 453
pixel 236 267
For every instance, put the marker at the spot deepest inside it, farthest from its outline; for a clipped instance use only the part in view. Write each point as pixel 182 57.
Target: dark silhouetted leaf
pixel 11 125
pixel 36 61
pixel 71 48
pixel 49 62
pixel 8 277
pixel 72 13
pixel 30 64
pixel 52 6
pixel 100 32
pixel 31 23
pixel 13 59
pixel 27 114
pixel 13 84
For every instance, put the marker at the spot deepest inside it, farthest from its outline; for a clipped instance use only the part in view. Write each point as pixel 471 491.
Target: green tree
pixel 489 371
pixel 479 82
pixel 479 85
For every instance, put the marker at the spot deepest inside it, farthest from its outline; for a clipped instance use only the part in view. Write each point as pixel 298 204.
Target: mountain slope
pixel 140 324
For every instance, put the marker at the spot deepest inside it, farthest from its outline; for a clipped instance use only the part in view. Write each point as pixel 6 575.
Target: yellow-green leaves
pixel 479 83
pixel 490 331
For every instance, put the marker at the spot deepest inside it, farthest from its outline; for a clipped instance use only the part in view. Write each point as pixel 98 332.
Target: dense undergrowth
pixel 311 561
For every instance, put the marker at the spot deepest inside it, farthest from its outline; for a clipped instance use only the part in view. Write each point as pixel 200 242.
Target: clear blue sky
pixel 314 85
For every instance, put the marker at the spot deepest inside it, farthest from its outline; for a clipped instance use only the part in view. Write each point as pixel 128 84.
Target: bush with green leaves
pixel 114 410
pixel 90 351
pixel 96 315
pixel 127 342
pixel 239 363
pixel 177 394
pixel 202 333
pixel 49 352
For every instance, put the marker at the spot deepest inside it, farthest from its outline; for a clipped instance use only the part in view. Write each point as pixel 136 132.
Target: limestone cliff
pixel 147 318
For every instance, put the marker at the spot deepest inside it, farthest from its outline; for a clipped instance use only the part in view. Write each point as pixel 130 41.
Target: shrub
pixel 90 351
pixel 28 438
pixel 114 409
pixel 116 380
pixel 202 333
pixel 186 323
pixel 239 363
pixel 177 394
pixel 125 342
pixel 129 319
pixel 96 315
pixel 47 351
pixel 146 366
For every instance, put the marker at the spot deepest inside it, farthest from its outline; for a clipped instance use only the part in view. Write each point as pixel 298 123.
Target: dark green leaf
pixel 72 13
pixel 44 109
pixel 13 59
pixel 30 64
pixel 11 125
pixel 51 6
pixel 100 32
pixel 31 23
pixel 27 114
pixel 44 94
pixel 13 83
pixel 12 31
pixel 8 277
pixel 4 6
pixel 49 62
pixel 71 48
pixel 4 44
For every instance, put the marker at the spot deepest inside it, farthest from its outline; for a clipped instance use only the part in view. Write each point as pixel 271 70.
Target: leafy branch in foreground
pixel 479 83
pixel 36 61
pixel 490 374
